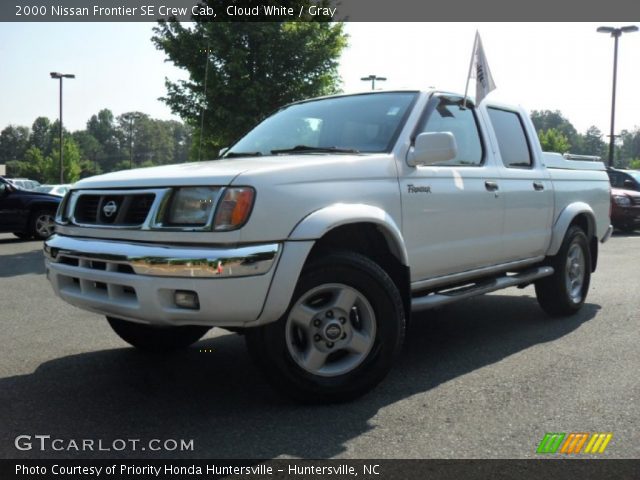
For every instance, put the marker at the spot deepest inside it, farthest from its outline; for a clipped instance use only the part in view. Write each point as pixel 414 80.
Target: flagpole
pixel 473 54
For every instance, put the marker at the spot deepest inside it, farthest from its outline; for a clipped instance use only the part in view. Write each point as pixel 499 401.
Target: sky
pixel 555 66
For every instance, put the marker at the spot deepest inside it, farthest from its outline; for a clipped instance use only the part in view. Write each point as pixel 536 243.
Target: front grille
pixel 635 200
pixel 123 210
pixel 87 208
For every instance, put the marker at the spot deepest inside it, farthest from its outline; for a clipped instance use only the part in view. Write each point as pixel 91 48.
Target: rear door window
pixel 512 138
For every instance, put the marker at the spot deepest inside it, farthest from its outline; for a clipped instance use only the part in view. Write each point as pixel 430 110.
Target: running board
pixel 438 299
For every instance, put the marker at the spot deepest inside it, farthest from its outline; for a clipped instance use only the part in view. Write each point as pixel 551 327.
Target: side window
pixel 615 179
pixel 512 139
pixel 449 116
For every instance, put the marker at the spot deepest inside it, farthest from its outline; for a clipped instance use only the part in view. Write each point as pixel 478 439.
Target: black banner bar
pixel 556 469
pixel 316 10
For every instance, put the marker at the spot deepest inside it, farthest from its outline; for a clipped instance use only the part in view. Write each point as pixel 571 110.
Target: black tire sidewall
pixel 552 291
pixel 269 348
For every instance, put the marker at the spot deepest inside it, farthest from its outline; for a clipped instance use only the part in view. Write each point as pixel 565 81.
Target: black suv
pixel 26 213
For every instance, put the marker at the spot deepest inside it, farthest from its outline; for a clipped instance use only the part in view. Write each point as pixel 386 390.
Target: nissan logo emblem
pixel 109 209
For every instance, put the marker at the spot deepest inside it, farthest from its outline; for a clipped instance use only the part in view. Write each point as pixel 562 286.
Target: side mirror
pixel 223 151
pixel 629 184
pixel 431 148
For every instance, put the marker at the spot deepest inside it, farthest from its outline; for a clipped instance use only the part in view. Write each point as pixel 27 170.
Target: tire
pixel 42 224
pixel 156 339
pixel 22 235
pixel 564 292
pixel 340 335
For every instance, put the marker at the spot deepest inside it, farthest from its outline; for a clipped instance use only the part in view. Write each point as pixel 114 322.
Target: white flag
pixel 479 69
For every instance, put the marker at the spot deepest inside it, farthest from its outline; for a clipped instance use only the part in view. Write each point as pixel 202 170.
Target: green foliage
pixel 14 142
pixel 251 69
pixel 634 164
pixel 544 120
pixel 552 140
pixel 71 161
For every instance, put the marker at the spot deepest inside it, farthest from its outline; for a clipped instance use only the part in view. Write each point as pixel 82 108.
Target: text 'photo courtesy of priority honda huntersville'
pixel 320 231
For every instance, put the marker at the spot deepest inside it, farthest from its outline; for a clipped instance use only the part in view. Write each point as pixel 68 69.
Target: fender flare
pixel 318 223
pixel 565 218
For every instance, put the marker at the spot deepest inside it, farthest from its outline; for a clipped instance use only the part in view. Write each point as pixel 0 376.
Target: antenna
pixel 206 76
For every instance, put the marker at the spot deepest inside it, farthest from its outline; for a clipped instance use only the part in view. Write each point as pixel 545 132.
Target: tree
pixel 251 69
pixel 41 135
pixel 543 120
pixel 552 140
pixel 32 165
pixel 103 128
pixel 71 160
pixel 592 143
pixel 14 141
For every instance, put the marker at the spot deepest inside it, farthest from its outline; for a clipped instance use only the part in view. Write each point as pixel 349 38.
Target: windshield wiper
pixel 242 154
pixel 308 149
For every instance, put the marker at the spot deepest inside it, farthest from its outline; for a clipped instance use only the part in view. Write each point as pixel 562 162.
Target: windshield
pixel 635 175
pixel 356 123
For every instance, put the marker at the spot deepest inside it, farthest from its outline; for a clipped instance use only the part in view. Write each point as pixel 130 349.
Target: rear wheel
pixel 564 292
pixel 42 224
pixel 338 339
pixel 152 338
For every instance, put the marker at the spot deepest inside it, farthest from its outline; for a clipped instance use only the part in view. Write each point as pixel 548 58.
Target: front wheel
pixel 564 292
pixel 340 335
pixel 152 338
pixel 42 224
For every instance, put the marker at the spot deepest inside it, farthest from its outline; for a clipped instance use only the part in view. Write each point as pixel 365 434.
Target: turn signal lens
pixel 234 208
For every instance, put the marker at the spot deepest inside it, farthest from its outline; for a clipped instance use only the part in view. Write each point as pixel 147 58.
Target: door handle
pixel 491 186
pixel 538 186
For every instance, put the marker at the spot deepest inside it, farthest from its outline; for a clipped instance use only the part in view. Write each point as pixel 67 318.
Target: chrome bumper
pixel 162 260
pixel 607 234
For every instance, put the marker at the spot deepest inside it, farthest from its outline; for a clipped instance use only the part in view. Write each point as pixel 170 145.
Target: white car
pixel 59 190
pixel 323 229
pixel 24 183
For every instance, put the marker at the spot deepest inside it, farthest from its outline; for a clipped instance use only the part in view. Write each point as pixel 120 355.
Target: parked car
pixel 625 199
pixel 24 183
pixel 26 213
pixel 625 209
pixel 59 190
pixel 324 228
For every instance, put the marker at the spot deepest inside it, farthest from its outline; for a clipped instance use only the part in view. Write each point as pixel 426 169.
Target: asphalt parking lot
pixel 484 378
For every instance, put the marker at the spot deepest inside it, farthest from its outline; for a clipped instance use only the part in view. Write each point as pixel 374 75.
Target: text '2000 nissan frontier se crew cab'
pixel 321 230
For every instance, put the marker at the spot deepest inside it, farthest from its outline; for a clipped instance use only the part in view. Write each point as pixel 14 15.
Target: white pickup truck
pixel 324 228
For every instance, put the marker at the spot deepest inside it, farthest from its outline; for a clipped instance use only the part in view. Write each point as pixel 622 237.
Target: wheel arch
pixel 363 229
pixel 581 215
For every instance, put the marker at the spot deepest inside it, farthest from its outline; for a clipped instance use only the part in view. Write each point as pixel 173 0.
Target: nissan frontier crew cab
pixel 324 228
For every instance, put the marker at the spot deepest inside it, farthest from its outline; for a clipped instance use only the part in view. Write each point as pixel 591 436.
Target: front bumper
pixel 137 282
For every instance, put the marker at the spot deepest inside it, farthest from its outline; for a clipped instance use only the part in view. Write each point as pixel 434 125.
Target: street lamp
pixel 372 79
pixel 615 33
pixel 60 76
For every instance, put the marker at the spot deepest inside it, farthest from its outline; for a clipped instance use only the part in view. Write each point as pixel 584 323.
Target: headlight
pixel 191 206
pixel 234 208
pixel 622 201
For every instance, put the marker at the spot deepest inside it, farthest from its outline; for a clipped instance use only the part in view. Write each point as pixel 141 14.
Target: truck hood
pixel 214 172
pixel 624 191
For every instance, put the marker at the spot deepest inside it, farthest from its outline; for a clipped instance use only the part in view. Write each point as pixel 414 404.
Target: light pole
pixel 60 76
pixel 615 33
pixel 372 79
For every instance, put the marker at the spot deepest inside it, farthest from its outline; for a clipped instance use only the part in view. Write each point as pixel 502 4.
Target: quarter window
pixel 512 139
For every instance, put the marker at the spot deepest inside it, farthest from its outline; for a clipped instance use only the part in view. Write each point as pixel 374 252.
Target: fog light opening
pixel 186 299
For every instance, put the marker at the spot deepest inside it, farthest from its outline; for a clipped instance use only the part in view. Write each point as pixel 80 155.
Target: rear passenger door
pixel 525 186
